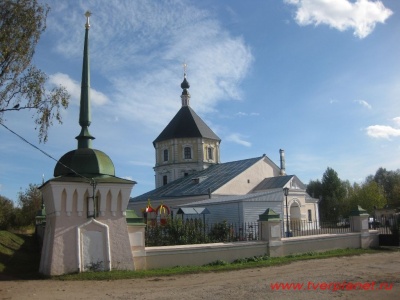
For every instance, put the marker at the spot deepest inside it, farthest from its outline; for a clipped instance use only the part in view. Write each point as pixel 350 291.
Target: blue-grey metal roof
pixel 278 182
pixel 274 195
pixel 193 211
pixel 200 183
pixel 273 183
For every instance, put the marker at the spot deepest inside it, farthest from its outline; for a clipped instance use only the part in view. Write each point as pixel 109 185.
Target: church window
pixel 210 153
pixel 187 153
pixel 165 154
pixel 309 216
pixel 165 179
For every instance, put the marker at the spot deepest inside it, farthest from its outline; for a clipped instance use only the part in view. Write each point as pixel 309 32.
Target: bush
pixel 175 232
pixel 219 232
pixel 185 232
pixel 218 262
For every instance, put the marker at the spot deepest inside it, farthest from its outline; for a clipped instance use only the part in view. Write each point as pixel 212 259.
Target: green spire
pixel 85 138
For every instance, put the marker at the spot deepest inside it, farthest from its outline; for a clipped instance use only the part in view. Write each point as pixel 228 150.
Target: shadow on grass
pixel 20 259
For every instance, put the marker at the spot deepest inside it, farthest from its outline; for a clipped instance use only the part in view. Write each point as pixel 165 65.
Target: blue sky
pixel 317 78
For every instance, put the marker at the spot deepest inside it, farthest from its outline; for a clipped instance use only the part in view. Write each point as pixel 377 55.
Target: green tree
pixel 314 188
pixel 29 202
pixel 345 205
pixel 22 85
pixel 333 194
pixel 367 195
pixel 389 182
pixel 7 213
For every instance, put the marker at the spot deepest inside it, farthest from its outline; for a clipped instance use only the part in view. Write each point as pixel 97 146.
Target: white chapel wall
pixel 66 211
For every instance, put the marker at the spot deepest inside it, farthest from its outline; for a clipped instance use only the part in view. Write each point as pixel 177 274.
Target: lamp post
pixel 286 193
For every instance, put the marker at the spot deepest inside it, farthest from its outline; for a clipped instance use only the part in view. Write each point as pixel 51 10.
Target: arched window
pixel 187 153
pixel 165 152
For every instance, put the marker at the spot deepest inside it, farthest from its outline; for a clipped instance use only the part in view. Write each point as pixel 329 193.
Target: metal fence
pixel 178 232
pixel 388 228
pixel 306 228
pixel 386 224
pixel 194 231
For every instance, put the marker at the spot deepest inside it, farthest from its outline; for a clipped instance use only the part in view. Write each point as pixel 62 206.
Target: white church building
pixel 189 173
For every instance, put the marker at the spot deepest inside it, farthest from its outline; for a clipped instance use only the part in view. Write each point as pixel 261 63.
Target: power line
pixel 45 153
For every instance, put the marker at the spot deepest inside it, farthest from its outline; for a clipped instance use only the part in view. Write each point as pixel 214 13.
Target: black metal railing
pixel 386 224
pixel 388 228
pixel 306 228
pixel 194 231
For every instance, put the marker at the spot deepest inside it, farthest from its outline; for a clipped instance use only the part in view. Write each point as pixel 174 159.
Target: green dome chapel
pixel 85 160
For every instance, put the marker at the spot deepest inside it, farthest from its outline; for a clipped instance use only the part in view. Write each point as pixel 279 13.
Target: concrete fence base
pixel 201 254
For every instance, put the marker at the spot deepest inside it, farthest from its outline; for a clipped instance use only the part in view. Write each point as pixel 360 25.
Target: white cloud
pixel 360 15
pixel 364 103
pixel 382 131
pixel 74 89
pixel 244 114
pixel 141 163
pixel 397 120
pixel 141 50
pixel 238 138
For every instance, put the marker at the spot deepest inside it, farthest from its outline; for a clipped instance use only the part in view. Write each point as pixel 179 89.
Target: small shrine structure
pixel 86 227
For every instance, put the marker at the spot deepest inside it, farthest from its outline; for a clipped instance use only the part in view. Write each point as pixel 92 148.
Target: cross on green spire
pixel 85 138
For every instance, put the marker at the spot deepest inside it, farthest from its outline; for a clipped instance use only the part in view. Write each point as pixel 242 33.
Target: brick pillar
pixel 271 232
pixel 359 223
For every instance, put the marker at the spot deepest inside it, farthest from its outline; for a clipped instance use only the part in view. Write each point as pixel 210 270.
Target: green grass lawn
pixel 217 266
pixel 20 258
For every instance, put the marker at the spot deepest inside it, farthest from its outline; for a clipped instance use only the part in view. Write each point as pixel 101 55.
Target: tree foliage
pixel 367 195
pixel 7 213
pixel 314 188
pixel 338 198
pixel 29 202
pixel 22 85
pixel 332 195
pixel 389 183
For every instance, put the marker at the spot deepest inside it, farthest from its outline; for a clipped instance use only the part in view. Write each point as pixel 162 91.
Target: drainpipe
pixel 282 156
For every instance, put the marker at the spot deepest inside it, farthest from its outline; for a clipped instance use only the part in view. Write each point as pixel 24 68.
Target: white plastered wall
pixel 250 178
pixel 66 211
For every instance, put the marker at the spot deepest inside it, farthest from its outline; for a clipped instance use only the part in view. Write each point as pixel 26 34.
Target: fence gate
pixel 389 234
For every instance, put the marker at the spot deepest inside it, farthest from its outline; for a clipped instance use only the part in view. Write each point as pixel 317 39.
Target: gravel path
pixel 368 276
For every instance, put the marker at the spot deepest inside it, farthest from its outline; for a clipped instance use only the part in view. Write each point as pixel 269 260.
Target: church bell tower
pixel 186 145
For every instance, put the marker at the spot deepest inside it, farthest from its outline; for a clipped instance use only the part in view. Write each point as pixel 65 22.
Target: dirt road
pixel 369 276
